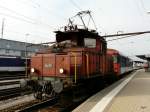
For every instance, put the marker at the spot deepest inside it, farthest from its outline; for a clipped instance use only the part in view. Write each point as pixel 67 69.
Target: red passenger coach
pixel 115 56
pixel 121 63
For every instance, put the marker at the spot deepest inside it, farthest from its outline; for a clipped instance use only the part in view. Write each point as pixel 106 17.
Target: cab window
pixel 90 43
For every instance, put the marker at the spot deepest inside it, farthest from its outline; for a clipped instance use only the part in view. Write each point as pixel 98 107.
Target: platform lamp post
pixel 2 29
pixel 26 56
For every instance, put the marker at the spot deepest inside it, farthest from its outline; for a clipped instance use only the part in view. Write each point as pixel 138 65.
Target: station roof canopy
pixel 145 57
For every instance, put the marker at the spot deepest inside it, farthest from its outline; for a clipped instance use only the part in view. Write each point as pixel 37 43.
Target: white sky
pixel 39 18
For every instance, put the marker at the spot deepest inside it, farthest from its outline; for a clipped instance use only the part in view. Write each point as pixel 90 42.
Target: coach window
pixel 115 59
pixel 89 42
pixel 118 58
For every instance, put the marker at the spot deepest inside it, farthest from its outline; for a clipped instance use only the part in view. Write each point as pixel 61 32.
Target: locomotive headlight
pixel 61 70
pixel 32 70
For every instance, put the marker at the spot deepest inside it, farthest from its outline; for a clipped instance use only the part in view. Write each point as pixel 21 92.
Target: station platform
pixel 130 94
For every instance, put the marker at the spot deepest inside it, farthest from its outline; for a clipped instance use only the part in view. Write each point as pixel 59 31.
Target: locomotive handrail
pixel 75 64
pixel 87 65
pixel 75 67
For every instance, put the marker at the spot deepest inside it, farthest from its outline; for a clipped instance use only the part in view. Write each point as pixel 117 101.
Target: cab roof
pixel 78 33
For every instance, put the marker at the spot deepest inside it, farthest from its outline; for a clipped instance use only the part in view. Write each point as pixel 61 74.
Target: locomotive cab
pixel 82 38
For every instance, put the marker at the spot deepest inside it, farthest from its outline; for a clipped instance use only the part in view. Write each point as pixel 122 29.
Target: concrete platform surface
pixel 130 94
pixel 135 97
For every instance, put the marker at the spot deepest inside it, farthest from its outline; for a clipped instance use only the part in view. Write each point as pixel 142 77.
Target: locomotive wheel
pixel 38 95
pixel 48 88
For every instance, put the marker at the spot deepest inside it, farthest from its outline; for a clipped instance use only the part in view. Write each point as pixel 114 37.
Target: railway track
pixel 55 104
pixel 11 88
pixel 9 93
pixel 40 105
pixel 13 104
pixel 30 105
pixel 59 108
pixel 9 82
pixel 13 92
pixel 11 76
pixel 33 105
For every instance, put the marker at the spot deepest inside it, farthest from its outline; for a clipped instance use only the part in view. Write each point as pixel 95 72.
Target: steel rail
pixel 43 104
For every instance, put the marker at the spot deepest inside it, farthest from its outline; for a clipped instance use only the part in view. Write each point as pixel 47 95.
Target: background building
pixel 16 48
